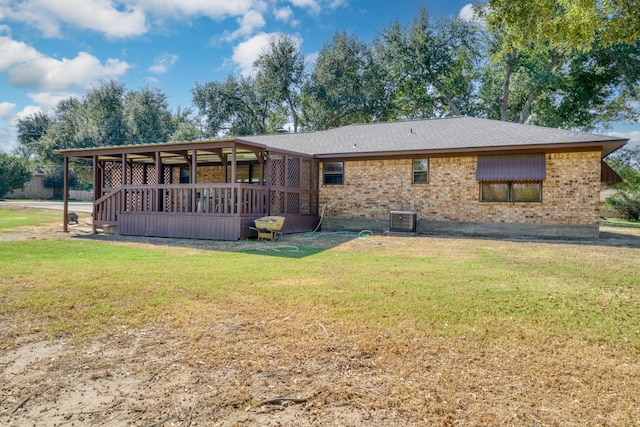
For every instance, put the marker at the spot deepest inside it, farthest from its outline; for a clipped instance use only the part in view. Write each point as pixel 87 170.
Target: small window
pixel 421 171
pixel 510 191
pixel 526 191
pixel 185 175
pixel 333 173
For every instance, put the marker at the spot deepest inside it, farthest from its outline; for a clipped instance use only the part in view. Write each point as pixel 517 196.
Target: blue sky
pixel 54 49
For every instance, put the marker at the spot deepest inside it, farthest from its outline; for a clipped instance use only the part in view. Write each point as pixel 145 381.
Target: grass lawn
pixel 468 331
pixel 11 219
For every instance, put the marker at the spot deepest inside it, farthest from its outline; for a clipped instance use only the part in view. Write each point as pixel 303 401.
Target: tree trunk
pixel 503 102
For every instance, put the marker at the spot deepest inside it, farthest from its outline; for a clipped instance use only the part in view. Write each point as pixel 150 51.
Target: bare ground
pixel 242 365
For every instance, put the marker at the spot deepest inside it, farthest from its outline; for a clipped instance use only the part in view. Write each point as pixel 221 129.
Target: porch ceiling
pixel 181 157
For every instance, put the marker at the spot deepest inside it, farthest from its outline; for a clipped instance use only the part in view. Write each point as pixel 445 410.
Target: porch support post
pixel 123 172
pixel 234 192
pixel 123 182
pixel 194 179
pixel 268 178
pixel 65 210
pixel 97 190
pixel 159 176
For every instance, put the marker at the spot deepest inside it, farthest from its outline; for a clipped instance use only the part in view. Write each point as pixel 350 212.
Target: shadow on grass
pixel 621 224
pixel 293 246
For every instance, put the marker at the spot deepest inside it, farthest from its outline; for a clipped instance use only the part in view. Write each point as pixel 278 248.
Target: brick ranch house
pixel 451 175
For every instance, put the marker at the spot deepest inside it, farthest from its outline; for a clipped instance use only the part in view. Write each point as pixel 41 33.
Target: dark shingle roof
pixel 444 134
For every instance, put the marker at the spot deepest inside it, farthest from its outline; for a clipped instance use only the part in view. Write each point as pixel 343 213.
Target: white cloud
pixel 27 111
pixel 310 60
pixel 163 62
pixel 6 110
pixel 8 138
pixel 633 137
pixel 337 3
pixel 215 9
pixel 52 74
pixel 13 53
pixel 312 5
pixel 248 24
pixel 49 100
pixel 245 53
pixel 114 20
pixel 467 13
pixel 283 14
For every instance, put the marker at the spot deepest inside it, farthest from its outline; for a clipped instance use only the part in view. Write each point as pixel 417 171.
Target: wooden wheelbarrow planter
pixel 268 227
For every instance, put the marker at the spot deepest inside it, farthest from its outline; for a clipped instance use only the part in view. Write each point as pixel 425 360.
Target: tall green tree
pixel 147 116
pixel 184 126
pixel 105 104
pixel 626 201
pixel 560 63
pixel 15 173
pixel 31 129
pixel 280 74
pixel 430 66
pixel 346 85
pixel 233 107
pixel 561 25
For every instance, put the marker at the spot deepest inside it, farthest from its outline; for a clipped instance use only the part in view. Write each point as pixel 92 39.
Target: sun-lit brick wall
pixel 373 188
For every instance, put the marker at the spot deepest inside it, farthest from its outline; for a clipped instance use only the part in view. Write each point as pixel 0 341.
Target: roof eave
pixel 606 147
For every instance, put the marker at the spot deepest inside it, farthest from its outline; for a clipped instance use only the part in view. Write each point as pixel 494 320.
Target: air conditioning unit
pixel 403 221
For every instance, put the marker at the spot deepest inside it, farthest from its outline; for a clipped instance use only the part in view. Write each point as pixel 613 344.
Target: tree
pixel 430 66
pixel 30 130
pixel 147 116
pixel 562 63
pixel 280 74
pixel 561 25
pixel 344 87
pixel 15 173
pixel 184 126
pixel 235 107
pixel 105 106
pixel 626 201
pixel 54 178
pixel 626 162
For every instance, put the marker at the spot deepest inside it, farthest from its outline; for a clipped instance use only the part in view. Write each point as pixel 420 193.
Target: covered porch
pixel 205 190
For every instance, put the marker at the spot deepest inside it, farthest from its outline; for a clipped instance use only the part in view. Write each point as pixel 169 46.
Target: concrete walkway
pixel 73 206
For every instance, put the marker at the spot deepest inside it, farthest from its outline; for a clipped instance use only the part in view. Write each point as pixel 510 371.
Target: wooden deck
pixel 201 211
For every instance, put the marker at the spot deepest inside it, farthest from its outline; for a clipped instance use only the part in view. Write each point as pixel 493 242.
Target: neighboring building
pixel 452 175
pixel 35 189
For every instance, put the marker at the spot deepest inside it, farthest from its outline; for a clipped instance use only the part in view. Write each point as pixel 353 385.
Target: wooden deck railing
pixel 219 199
pixel 107 207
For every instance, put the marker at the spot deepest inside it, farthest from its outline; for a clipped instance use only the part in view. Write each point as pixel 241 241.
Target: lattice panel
pixel 112 174
pixel 277 202
pixel 136 174
pixel 293 172
pixel 314 175
pixel 150 174
pixel 293 203
pixel 305 203
pixel 167 175
pixel 305 176
pixel 313 205
pixel 277 166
